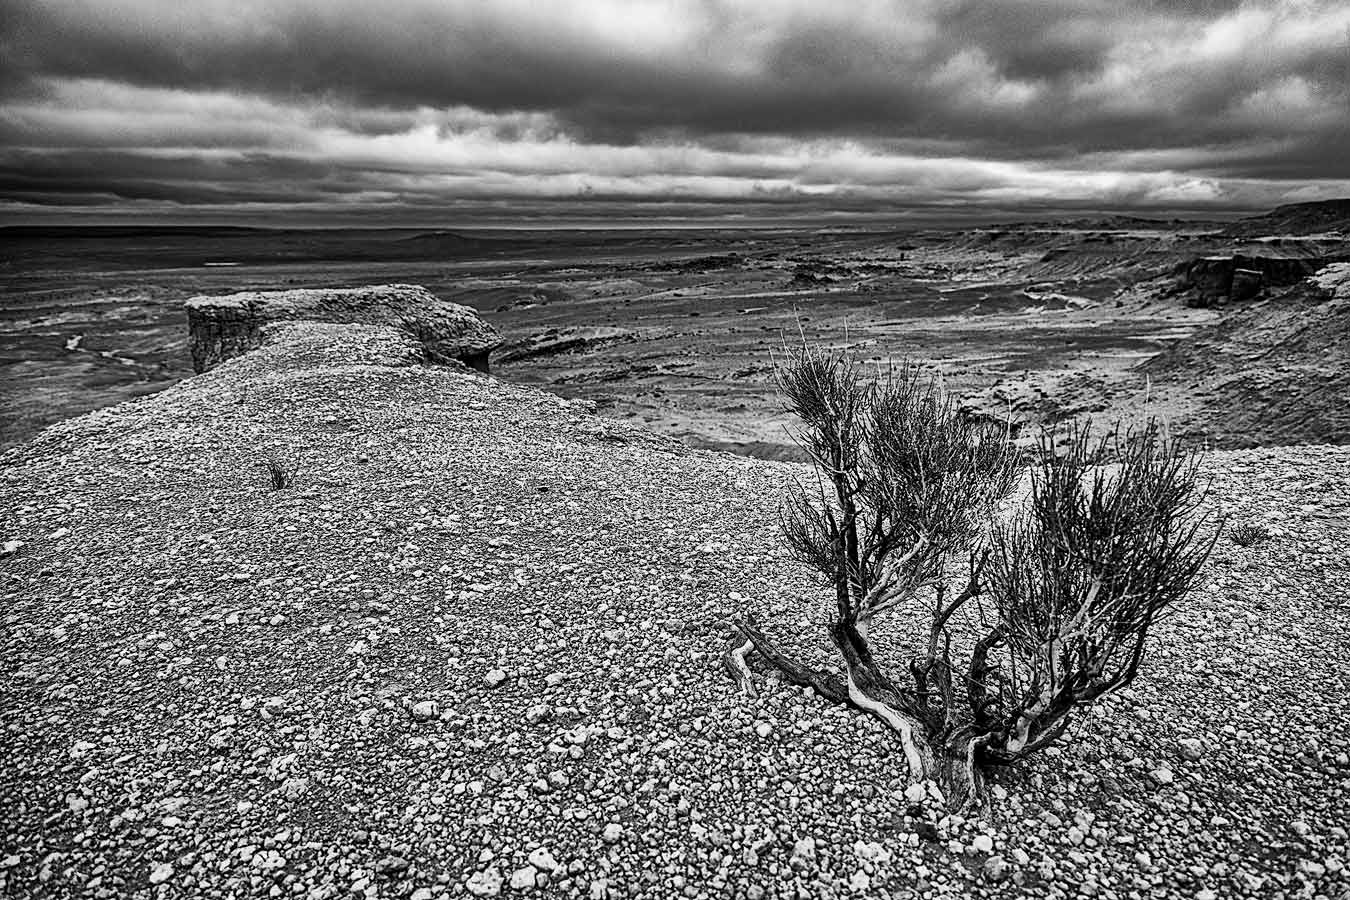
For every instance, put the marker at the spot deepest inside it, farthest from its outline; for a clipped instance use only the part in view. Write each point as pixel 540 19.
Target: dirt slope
pixel 1275 371
pixel 213 689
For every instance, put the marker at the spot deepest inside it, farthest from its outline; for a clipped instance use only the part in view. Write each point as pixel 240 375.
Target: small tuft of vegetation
pixel 1249 535
pixel 281 475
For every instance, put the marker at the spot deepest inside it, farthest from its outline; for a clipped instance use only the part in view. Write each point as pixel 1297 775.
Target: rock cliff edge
pixel 222 327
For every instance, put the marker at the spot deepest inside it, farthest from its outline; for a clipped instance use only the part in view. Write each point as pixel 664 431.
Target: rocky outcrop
pixel 1331 283
pixel 1216 280
pixel 223 327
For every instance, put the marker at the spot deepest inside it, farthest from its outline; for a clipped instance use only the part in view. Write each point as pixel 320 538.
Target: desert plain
pixel 676 329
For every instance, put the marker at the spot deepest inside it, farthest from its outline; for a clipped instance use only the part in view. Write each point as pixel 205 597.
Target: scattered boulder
pixel 223 327
pixel 1190 749
pixel 995 869
pixel 543 860
pixel 487 883
pixel 524 878
pixel 425 710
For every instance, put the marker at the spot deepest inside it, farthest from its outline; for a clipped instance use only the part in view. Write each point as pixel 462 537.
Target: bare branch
pixel 1103 551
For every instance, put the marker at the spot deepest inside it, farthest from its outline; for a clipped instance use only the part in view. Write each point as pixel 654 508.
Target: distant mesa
pixel 223 327
pixel 1295 220
pixel 1093 223
pixel 453 242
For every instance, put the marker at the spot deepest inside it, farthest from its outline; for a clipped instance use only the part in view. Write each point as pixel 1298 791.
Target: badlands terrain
pixel 470 645
pixel 675 328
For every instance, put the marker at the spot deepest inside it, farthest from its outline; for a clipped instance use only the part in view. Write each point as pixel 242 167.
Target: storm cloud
pixel 352 107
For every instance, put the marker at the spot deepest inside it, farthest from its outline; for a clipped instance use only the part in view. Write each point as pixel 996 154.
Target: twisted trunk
pixel 953 763
pixel 871 691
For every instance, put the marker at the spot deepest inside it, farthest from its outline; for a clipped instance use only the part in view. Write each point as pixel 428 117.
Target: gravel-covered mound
pixel 474 649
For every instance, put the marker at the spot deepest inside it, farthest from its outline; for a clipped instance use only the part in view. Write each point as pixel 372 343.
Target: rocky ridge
pixel 223 327
pixel 1316 217
pixel 473 651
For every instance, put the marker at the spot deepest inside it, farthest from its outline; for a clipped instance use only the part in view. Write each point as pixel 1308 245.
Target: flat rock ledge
pixel 223 327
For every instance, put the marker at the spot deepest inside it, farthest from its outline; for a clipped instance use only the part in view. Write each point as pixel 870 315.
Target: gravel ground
pixel 474 650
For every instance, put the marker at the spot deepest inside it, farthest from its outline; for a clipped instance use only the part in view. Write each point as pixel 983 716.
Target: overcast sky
pixel 431 110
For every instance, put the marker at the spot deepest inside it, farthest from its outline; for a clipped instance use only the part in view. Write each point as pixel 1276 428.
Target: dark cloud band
pixel 1200 102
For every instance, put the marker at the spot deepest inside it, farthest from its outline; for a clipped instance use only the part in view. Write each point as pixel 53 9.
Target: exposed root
pixel 734 661
pixel 849 693
pixel 953 767
pixel 826 684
